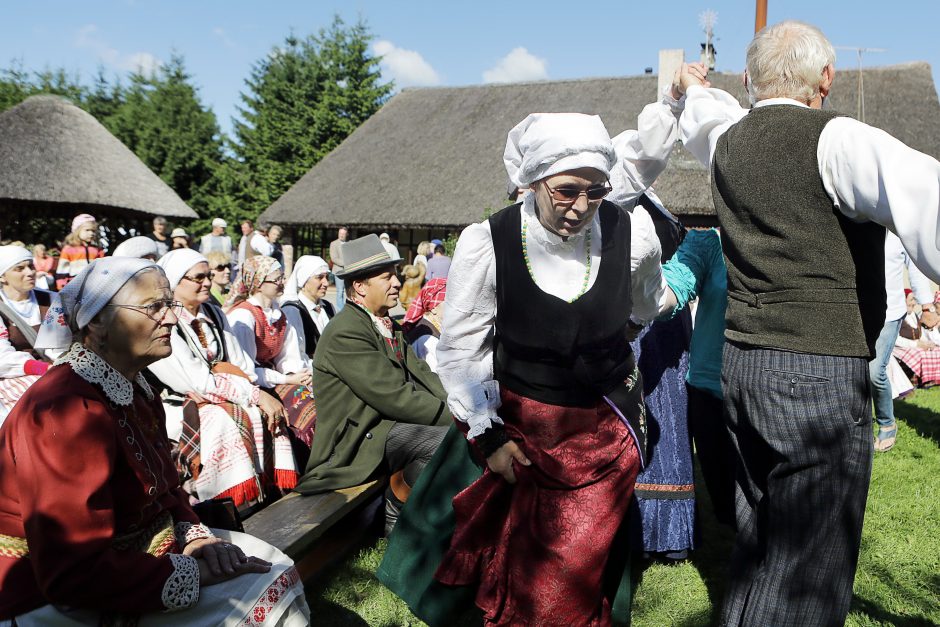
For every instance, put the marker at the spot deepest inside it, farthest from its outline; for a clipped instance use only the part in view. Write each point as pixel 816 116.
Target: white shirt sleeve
pixel 295 323
pixel 920 284
pixel 648 288
pixel 12 361
pixel 708 114
pixel 465 349
pixel 243 329
pixel 870 175
pixel 291 358
pixel 642 154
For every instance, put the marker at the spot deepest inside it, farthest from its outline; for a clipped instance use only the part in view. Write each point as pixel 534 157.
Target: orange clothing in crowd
pixel 71 261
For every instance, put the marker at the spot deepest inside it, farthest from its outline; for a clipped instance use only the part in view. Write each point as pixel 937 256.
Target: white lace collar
pixel 92 368
pixel 272 314
pixel 545 239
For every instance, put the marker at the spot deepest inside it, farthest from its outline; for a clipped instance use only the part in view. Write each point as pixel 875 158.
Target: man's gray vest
pixel 801 276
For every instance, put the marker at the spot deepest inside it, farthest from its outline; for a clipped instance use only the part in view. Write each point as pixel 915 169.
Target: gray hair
pixel 786 60
pixel 159 220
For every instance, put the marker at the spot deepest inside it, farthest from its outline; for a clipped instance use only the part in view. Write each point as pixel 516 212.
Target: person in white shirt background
pixel 217 240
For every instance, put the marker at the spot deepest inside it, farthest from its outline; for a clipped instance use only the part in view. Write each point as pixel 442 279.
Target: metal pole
pixel 760 20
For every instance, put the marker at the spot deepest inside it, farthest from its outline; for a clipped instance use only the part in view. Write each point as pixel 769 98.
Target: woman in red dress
pixel 94 527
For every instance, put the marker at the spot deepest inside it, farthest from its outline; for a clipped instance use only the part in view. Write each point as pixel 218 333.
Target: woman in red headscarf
pixel 422 324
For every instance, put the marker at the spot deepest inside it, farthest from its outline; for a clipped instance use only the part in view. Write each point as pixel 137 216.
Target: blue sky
pixel 439 43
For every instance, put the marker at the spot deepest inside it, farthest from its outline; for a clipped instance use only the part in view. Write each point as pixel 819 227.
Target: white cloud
pixel 517 66
pixel 142 62
pixel 88 38
pixel 407 67
pixel 220 33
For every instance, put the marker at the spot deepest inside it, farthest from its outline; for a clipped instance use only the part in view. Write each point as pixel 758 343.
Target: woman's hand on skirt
pixel 220 561
pixel 501 461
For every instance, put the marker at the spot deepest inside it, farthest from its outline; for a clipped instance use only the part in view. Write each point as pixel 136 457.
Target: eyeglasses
pixel 570 194
pixel 157 310
pixel 222 267
pixel 278 281
pixel 199 278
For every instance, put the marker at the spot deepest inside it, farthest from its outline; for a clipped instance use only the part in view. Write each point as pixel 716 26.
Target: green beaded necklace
pixel 528 263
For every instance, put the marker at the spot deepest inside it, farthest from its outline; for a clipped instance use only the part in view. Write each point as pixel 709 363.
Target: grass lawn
pixel 898 579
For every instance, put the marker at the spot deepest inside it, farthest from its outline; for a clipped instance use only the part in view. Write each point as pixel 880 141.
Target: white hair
pixel 786 60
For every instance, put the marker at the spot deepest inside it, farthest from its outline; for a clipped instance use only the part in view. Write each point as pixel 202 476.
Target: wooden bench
pixel 306 527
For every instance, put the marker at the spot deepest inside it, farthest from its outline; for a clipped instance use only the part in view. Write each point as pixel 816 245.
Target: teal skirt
pixel 426 525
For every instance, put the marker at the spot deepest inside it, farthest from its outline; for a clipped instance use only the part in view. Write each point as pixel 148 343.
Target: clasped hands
pixel 687 75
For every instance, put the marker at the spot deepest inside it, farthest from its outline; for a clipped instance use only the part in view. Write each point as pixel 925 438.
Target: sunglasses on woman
pixel 570 193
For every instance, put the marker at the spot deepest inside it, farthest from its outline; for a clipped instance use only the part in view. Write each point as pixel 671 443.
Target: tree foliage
pixel 301 101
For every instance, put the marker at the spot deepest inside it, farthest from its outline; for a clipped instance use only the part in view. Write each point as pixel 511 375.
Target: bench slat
pixel 295 522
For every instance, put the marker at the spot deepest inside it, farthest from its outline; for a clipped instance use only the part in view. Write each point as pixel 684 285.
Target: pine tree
pixel 163 121
pixel 302 100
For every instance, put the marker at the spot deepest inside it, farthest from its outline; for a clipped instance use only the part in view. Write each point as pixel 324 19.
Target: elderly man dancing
pixel 803 196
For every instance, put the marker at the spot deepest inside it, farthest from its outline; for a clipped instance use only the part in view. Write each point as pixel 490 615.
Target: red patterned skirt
pixel 925 364
pixel 537 550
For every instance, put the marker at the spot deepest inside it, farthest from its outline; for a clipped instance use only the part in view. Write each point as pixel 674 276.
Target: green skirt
pixel 423 532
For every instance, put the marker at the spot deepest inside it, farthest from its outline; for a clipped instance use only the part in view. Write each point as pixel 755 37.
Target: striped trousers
pixel 801 427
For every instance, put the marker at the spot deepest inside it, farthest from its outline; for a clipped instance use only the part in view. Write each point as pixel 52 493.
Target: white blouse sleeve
pixel 295 323
pixel 291 359
pixel 642 154
pixel 243 329
pixel 646 273
pixel 465 349
pixel 708 114
pixel 12 361
pixel 870 175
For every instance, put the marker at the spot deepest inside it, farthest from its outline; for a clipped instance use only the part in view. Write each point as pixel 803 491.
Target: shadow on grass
pixel 924 420
pixel 920 601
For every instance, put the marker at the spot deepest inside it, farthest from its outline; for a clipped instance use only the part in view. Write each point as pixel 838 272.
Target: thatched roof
pixel 56 158
pixel 433 157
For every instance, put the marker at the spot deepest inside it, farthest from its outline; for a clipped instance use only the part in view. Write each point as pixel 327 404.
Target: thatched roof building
pixel 58 160
pixel 432 158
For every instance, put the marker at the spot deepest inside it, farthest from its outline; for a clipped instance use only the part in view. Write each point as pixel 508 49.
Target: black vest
pixel 311 332
pixel 553 351
pixel 801 276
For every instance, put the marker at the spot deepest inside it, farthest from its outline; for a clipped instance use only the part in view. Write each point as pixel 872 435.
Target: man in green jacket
pixel 380 408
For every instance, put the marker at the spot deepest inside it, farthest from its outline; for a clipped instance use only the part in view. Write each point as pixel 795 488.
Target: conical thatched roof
pixel 56 158
pixel 433 157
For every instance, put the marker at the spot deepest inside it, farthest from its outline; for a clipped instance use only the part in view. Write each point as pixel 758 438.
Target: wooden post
pixel 760 19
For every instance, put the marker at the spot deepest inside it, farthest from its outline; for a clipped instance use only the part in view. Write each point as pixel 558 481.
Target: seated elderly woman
pixel 94 526
pixel 220 267
pixel 303 302
pixel 218 413
pixel 22 308
pixel 271 344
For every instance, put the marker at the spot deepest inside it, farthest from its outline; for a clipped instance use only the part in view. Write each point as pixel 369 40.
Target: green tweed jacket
pixel 362 391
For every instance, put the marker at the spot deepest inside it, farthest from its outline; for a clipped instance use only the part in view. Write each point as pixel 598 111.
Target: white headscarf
pixel 544 144
pixel 177 263
pixel 306 267
pixel 85 295
pixel 139 247
pixel 12 255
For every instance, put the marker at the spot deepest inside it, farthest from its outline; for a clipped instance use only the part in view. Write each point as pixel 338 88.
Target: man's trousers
pixel 801 427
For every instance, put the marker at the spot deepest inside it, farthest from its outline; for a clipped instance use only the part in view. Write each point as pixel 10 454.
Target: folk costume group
pixel 515 460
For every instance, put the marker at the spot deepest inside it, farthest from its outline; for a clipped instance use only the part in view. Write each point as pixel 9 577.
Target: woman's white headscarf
pixel 544 144
pixel 177 263
pixel 139 246
pixel 306 267
pixel 86 295
pixel 12 255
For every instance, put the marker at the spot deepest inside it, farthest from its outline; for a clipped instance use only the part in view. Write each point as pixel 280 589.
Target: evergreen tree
pixel 302 100
pixel 163 121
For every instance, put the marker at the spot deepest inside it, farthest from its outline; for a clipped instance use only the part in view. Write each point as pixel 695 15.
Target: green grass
pixel 898 579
